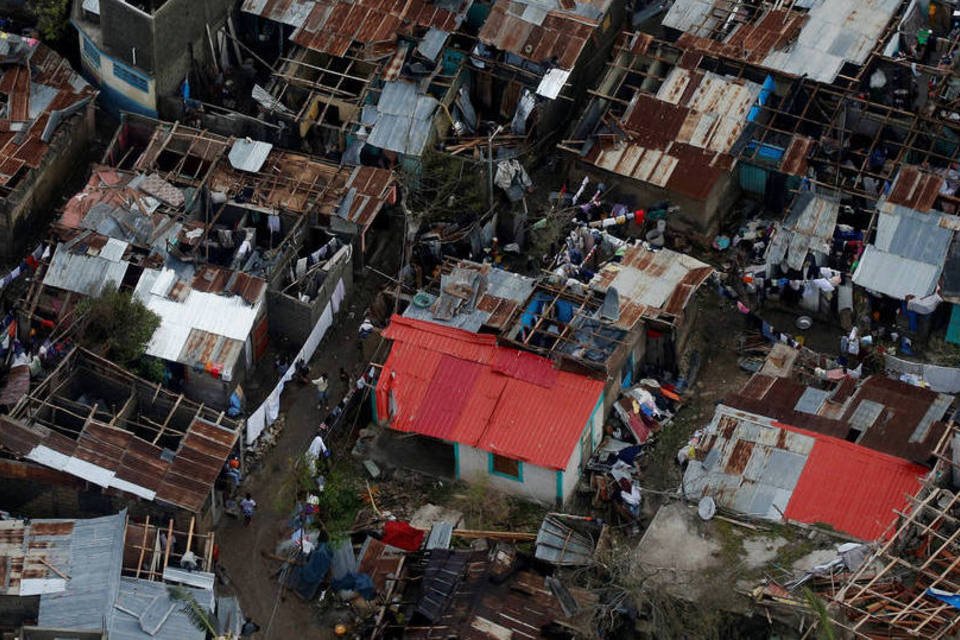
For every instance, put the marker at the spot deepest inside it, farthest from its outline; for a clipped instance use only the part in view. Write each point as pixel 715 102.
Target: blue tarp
pixel 951 599
pixel 305 580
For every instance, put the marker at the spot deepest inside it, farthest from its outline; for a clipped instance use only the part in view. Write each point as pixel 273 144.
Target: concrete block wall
pixel 29 206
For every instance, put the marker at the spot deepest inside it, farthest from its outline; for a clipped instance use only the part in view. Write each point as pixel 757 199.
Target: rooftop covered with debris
pixel 651 285
pixel 79 572
pixel 473 297
pixel 97 422
pixel 814 38
pixel 40 92
pixel 879 413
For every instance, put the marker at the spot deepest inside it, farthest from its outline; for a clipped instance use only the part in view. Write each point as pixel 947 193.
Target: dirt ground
pixel 251 575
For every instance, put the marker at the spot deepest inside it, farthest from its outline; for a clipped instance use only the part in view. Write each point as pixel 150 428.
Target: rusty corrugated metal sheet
pixel 46 68
pixel 560 37
pixel 915 188
pixel 794 161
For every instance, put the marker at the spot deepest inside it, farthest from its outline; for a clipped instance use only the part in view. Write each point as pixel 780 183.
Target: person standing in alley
pixel 247 507
pixel 322 384
pixel 345 379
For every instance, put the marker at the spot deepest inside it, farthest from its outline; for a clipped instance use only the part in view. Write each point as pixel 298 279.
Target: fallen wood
pixel 54 569
pixel 517 536
pixel 739 523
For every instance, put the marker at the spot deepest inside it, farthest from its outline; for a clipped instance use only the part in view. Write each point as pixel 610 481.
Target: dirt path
pixel 253 577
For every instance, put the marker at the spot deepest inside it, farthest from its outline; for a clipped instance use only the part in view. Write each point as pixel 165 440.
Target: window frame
pixel 492 465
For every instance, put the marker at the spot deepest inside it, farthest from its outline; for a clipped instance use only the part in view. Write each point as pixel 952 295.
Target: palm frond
pixel 196 614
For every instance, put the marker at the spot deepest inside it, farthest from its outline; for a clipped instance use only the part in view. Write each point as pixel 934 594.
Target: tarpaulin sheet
pixel 401 535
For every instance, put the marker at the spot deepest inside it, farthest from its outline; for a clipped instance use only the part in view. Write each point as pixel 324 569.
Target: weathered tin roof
pixel 815 43
pixel 651 284
pixel 544 30
pixel 808 227
pixel 85 268
pixel 680 138
pixel 41 91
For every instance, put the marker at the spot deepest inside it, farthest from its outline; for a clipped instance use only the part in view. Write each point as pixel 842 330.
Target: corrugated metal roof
pixel 761 467
pixel 405 119
pixel 651 284
pixel 331 26
pixel 907 255
pixel 816 43
pixel 28 549
pixel 228 316
pixel 559 543
pixel 915 189
pixel 42 90
pixel 539 31
pixel 144 610
pixel 808 227
pixel 85 273
pixel 443 382
pixel 679 139
pixel 249 155
pixel 94 566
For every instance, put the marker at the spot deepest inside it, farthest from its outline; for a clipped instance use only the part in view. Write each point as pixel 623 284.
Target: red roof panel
pixel 448 383
pixel 851 488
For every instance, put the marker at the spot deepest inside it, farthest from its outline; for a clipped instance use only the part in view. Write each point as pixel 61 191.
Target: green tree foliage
pixel 445 187
pixel 117 326
pixel 52 17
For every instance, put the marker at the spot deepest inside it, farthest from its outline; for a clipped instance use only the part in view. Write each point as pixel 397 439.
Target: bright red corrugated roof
pixel 850 487
pixel 448 383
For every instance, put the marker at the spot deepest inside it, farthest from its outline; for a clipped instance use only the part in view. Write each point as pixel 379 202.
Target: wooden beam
pixel 143 545
pixel 163 427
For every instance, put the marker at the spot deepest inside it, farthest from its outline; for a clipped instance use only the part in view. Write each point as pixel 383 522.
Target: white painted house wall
pixel 538 483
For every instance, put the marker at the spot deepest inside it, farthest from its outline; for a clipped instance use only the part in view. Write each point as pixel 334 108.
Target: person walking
pixel 247 507
pixel 323 385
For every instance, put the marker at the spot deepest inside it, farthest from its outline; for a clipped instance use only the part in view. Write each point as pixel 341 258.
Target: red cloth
pixel 400 534
pixel 31 262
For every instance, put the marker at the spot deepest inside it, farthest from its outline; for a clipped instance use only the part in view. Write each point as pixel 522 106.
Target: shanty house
pixel 46 111
pixel 503 416
pixel 363 79
pixel 901 268
pixel 654 290
pixel 661 128
pixel 766 469
pixel 67 579
pixel 535 59
pixel 92 422
pixel 138 52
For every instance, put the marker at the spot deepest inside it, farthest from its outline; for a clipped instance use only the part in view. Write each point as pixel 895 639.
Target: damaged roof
pixel 763 468
pixel 813 40
pixel 474 295
pixel 332 26
pixel 447 383
pixel 200 311
pixel 888 415
pixel 107 454
pixel 88 266
pixel 808 227
pixel 679 139
pixel 96 596
pixel 653 285
pixel 40 91
pixel 552 32
pixel 907 256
